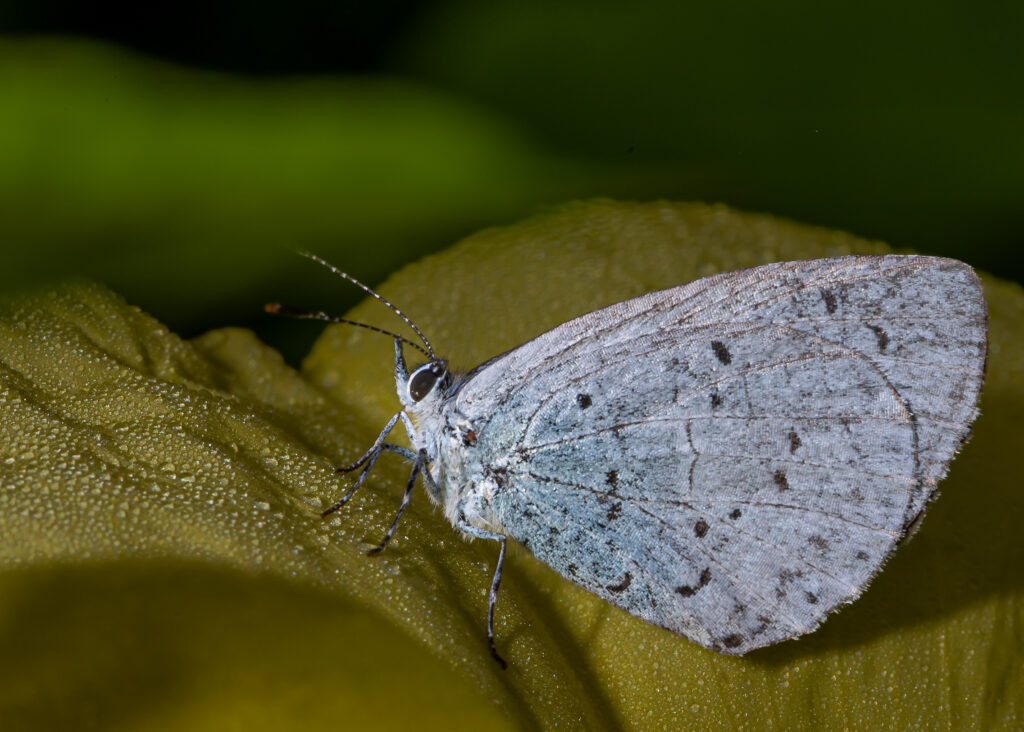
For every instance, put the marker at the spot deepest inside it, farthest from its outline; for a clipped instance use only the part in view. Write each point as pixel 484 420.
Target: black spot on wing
pixel 690 591
pixel 830 301
pixel 786 577
pixel 880 335
pixel 498 474
pixel 780 480
pixel 716 400
pixel 732 640
pixel 621 586
pixel 735 514
pixel 700 528
pixel 721 352
pixel 794 441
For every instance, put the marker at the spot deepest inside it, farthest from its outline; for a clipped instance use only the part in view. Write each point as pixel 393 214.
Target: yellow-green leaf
pixel 165 566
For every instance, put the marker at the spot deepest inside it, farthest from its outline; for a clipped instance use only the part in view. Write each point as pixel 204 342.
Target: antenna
pixel 345 275
pixel 276 308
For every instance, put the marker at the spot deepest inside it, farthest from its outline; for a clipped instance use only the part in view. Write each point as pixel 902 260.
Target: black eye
pixel 423 380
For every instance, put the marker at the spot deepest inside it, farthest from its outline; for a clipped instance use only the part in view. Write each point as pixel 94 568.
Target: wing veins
pixel 599 332
pixel 736 456
pixel 710 557
pixel 724 502
pixel 786 267
pixel 764 542
pixel 842 351
pixel 769 504
pixel 732 376
pixel 732 527
pixel 804 286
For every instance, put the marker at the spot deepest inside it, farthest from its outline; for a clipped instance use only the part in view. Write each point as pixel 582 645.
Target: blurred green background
pixel 181 153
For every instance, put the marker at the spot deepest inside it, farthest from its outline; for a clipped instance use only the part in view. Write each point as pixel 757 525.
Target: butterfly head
pixel 426 382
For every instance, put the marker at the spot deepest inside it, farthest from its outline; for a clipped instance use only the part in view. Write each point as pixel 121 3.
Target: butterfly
pixel 731 459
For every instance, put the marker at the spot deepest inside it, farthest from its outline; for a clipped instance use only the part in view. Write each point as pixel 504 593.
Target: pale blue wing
pixel 734 458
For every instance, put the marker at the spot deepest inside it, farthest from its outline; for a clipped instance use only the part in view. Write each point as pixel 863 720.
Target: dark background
pixel 896 121
pixel 248 37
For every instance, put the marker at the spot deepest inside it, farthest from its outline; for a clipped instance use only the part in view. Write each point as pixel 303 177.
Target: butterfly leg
pixel 370 458
pixel 417 466
pixel 493 598
pixel 405 452
pixel 374 448
pixel 359 481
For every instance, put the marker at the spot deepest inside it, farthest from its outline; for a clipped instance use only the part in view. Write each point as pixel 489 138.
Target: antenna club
pixel 273 308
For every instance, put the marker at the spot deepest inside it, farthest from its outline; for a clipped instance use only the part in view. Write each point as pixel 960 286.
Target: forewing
pixel 734 458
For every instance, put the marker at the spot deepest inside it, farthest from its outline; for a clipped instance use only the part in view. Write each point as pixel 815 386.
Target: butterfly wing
pixel 734 458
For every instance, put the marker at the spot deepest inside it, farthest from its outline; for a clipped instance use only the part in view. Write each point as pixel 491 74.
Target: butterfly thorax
pixel 448 439
pixel 426 435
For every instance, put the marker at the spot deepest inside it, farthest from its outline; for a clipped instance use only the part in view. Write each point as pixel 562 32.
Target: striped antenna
pixel 276 308
pixel 345 275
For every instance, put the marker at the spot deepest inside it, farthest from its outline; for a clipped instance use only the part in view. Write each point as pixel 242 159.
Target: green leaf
pixel 166 567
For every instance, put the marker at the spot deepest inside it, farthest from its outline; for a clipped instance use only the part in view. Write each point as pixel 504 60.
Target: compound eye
pixel 424 378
